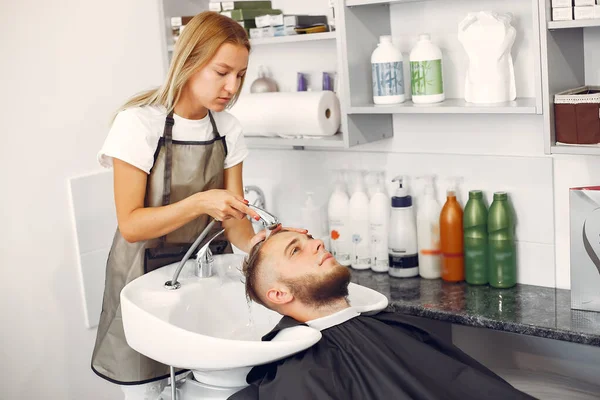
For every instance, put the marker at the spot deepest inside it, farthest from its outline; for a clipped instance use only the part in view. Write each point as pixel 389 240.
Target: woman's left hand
pixel 262 235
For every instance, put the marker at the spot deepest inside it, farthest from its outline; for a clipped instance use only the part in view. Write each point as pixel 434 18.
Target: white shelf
pixel 580 23
pixel 574 149
pixel 351 3
pixel 449 106
pixel 331 142
pixel 306 37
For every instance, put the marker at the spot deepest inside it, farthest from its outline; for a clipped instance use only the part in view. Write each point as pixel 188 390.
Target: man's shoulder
pixel 284 323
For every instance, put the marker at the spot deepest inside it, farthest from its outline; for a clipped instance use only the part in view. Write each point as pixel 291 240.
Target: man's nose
pixel 318 245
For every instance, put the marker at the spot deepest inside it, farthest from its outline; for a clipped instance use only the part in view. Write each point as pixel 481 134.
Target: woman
pixel 167 188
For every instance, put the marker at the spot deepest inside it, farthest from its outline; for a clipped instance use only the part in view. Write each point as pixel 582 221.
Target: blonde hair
pixel 195 47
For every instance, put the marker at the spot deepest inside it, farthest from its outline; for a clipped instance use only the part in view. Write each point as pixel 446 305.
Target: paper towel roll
pixel 288 113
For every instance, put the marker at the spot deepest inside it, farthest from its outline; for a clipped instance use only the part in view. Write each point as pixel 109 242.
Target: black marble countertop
pixel 525 309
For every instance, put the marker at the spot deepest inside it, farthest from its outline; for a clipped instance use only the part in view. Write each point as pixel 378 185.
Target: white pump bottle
pixel 428 232
pixel 338 211
pixel 312 218
pixel 359 225
pixel 379 222
pixel 402 246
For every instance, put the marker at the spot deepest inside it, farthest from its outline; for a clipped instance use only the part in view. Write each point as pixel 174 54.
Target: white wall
pixel 66 66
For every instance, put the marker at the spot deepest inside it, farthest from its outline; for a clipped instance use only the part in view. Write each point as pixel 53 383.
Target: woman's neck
pixel 187 108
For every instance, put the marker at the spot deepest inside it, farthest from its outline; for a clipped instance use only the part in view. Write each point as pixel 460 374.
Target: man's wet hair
pixel 250 269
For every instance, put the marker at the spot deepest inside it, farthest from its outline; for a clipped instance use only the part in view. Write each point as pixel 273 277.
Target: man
pixel 386 356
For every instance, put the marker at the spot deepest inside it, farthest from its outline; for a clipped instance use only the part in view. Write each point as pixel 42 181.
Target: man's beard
pixel 318 291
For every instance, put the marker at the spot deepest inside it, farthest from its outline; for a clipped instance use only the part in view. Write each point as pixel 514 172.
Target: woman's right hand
pixel 223 205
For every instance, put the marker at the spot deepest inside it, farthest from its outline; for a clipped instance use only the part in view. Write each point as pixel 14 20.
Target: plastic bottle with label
pixel 379 221
pixel 428 232
pixel 339 222
pixel 451 237
pixel 502 250
pixel 476 239
pixel 360 255
pixel 426 76
pixel 402 242
pixel 312 219
pixel 387 72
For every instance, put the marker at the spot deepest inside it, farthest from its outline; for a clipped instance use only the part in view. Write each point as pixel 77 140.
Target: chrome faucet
pixel 204 259
pixel 260 202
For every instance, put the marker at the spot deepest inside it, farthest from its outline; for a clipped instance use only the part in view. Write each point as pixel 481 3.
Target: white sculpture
pixel 488 37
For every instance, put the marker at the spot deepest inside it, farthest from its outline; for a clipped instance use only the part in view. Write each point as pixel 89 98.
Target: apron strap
pixel 168 136
pixel 216 131
pixel 214 125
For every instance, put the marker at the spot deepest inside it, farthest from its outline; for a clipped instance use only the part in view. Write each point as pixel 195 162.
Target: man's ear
pixel 279 296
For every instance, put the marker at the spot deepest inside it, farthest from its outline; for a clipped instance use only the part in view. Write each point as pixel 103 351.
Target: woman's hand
pixel 264 234
pixel 223 205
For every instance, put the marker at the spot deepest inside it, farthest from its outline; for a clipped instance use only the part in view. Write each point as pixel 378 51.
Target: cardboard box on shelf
pixel 236 5
pixel 562 14
pixel 584 12
pixel 245 14
pixel 581 3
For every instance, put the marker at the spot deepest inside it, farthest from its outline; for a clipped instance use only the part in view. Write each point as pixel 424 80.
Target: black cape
pixel 385 356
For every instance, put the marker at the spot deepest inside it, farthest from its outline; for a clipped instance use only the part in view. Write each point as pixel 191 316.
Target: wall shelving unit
pixel 555 49
pixel 564 64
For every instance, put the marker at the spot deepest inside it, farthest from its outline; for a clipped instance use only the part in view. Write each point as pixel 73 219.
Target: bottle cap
pixel 385 39
pixel 401 198
pixel 500 196
pixel 309 203
pixel 429 187
pixel 453 186
pixel 476 194
pixel 424 36
pixel 339 182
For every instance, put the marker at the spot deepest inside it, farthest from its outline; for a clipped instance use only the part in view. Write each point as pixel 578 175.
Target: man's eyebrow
pixel 293 242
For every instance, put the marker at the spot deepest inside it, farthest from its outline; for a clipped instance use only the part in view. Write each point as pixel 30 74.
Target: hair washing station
pixel 201 320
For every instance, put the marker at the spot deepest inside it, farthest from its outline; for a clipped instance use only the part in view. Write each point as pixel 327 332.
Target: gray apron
pixel 181 168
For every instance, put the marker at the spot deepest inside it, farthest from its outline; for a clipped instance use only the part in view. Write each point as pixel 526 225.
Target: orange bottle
pixel 451 239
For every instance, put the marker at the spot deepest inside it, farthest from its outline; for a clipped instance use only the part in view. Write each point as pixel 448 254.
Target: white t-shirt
pixel 135 132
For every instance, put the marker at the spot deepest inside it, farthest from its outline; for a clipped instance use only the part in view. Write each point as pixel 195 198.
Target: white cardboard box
pixel 584 12
pixel 214 6
pixel 562 3
pixel 562 14
pixel 581 3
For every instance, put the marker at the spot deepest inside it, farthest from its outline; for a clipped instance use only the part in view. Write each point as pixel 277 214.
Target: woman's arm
pixel 238 231
pixel 137 222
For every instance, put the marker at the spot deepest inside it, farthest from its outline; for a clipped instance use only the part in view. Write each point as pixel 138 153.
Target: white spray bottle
pixel 339 222
pixel 402 246
pixel 359 225
pixel 312 218
pixel 379 222
pixel 428 232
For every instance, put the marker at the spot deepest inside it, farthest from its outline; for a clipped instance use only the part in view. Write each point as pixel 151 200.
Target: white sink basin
pixel 207 325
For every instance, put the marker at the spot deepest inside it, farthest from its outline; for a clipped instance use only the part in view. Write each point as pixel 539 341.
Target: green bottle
pixel 475 220
pixel 502 266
